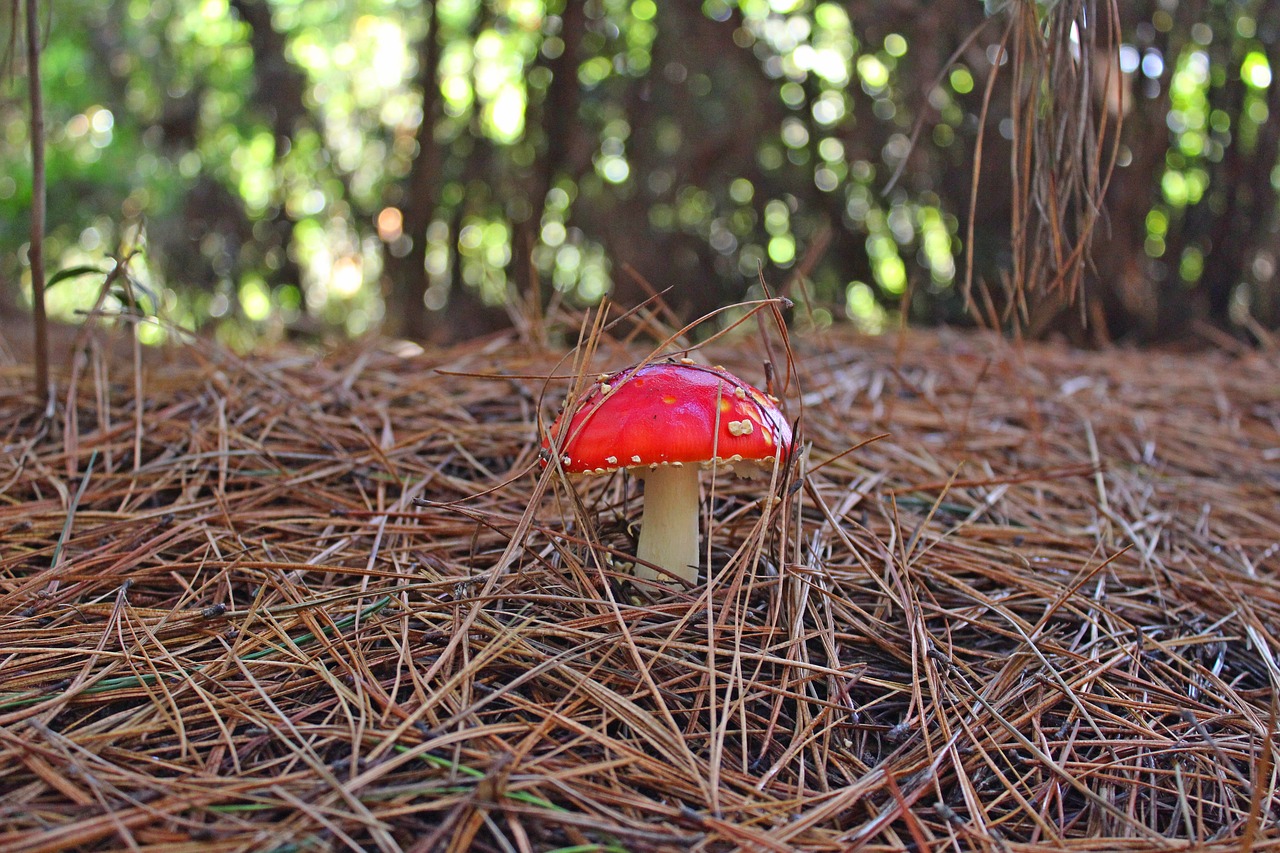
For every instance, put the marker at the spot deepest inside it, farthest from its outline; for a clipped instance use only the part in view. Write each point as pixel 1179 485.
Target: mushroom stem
pixel 669 523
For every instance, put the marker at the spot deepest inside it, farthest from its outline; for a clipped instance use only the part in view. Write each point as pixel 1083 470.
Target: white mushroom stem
pixel 669 523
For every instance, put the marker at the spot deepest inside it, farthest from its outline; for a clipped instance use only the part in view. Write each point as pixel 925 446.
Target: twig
pixel 36 252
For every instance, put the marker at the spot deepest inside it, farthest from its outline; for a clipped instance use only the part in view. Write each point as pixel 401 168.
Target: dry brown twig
pixel 1065 145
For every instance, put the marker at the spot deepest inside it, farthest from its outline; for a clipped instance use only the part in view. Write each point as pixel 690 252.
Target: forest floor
pixel 298 601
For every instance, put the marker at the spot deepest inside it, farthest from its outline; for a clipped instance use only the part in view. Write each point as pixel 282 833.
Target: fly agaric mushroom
pixel 664 422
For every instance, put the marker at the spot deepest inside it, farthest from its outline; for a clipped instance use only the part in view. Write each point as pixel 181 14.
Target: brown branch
pixel 36 253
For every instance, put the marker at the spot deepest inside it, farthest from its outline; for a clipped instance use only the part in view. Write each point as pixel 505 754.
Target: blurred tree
pixel 428 167
pixel 1190 230
pixel 419 196
pixel 279 97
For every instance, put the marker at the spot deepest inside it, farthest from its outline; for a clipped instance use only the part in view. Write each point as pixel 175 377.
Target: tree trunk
pixel 280 93
pixel 406 277
pixel 1241 205
pixel 562 148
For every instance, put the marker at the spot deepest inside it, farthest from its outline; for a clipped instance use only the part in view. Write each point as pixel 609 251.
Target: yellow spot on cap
pixel 669 400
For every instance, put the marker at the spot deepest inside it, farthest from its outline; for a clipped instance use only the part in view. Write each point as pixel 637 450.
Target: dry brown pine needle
pixel 297 602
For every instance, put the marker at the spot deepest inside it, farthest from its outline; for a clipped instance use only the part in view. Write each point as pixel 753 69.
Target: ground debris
pixel 294 601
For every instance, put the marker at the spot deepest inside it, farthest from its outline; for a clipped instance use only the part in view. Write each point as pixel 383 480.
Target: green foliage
pixel 261 151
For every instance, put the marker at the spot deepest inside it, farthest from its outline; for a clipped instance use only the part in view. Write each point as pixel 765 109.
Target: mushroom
pixel 664 422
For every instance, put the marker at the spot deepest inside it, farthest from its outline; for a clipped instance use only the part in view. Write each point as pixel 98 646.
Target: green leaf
pixel 73 272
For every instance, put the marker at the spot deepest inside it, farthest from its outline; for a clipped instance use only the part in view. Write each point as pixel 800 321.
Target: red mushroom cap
pixel 670 414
